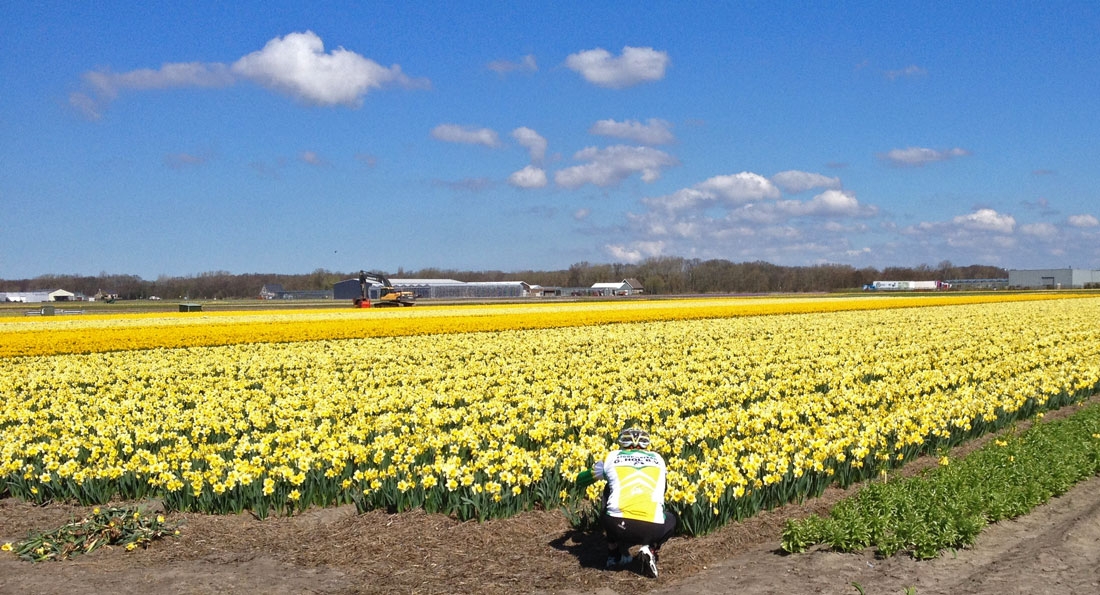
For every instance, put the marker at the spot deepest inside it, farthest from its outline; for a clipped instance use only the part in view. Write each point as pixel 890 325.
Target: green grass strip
pixel 947 507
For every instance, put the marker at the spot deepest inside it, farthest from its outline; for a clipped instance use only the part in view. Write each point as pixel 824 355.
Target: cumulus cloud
pixel 653 132
pixel 918 156
pixel 296 65
pixel 794 181
pixel 1085 220
pixel 525 64
pixel 532 141
pixel 636 252
pixel 739 188
pixel 986 220
pixel 728 190
pixel 453 133
pixel 828 204
pixel 610 166
pixel 745 214
pixel 528 177
pixel 634 66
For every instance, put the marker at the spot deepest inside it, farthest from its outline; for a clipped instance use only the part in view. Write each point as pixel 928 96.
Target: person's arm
pixel 590 476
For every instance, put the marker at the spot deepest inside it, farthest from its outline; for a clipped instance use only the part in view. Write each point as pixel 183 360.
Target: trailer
pixel 907 286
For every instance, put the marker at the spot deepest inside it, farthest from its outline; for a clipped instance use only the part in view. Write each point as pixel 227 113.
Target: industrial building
pixel 440 288
pixel 275 291
pixel 1054 279
pixel 30 297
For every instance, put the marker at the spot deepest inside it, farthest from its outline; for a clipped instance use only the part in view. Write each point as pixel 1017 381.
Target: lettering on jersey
pixel 635 459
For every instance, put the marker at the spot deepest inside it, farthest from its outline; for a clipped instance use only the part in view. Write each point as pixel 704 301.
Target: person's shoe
pixel 649 561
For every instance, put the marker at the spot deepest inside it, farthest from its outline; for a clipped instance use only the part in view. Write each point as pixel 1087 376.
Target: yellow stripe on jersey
pixel 636 497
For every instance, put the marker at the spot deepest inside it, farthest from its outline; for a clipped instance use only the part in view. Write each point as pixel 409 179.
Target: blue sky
pixel 174 139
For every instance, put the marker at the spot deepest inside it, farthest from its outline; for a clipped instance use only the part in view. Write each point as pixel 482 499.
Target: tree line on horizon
pixel 667 275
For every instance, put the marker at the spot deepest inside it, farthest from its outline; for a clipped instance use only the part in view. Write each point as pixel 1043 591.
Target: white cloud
pixel 739 188
pixel 103 86
pixel 298 66
pixel 611 165
pixel 986 220
pixel 637 251
pixel 730 190
pixel 908 71
pixel 634 66
pixel 653 132
pixel 453 133
pixel 1083 221
pixel 581 214
pixel 295 65
pixel 109 84
pixel 830 203
pixel 1039 230
pixel 528 177
pixel 525 64
pixel 795 181
pixel 918 156
pixel 532 141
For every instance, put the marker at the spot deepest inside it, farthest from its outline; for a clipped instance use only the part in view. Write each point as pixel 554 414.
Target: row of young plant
pixel 947 507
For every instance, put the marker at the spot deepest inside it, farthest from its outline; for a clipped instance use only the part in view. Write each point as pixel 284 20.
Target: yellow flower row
pixel 99 333
pixel 738 404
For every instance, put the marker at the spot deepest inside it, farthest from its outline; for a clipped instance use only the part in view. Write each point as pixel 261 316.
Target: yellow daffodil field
pixel 485 411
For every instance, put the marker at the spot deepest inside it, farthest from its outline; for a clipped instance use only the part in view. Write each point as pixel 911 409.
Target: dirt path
pixel 1056 549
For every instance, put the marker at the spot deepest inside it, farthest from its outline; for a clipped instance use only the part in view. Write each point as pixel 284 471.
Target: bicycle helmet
pixel 634 438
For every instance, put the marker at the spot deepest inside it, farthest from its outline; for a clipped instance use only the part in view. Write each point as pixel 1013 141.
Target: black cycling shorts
pixel 627 532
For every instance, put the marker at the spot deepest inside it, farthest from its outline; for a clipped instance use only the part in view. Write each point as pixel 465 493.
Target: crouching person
pixel 634 501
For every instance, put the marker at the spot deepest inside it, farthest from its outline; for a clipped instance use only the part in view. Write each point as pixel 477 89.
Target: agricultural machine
pixel 387 295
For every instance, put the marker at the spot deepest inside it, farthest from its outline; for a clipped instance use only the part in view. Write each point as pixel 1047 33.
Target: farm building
pixel 30 297
pixel 437 288
pixel 1054 278
pixel 275 291
pixel 964 284
pixel 624 287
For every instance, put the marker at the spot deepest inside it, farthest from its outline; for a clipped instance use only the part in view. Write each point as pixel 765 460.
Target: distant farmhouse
pixel 1054 279
pixel 624 287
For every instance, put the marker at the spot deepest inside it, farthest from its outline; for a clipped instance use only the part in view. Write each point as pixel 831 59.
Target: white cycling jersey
pixel 636 484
